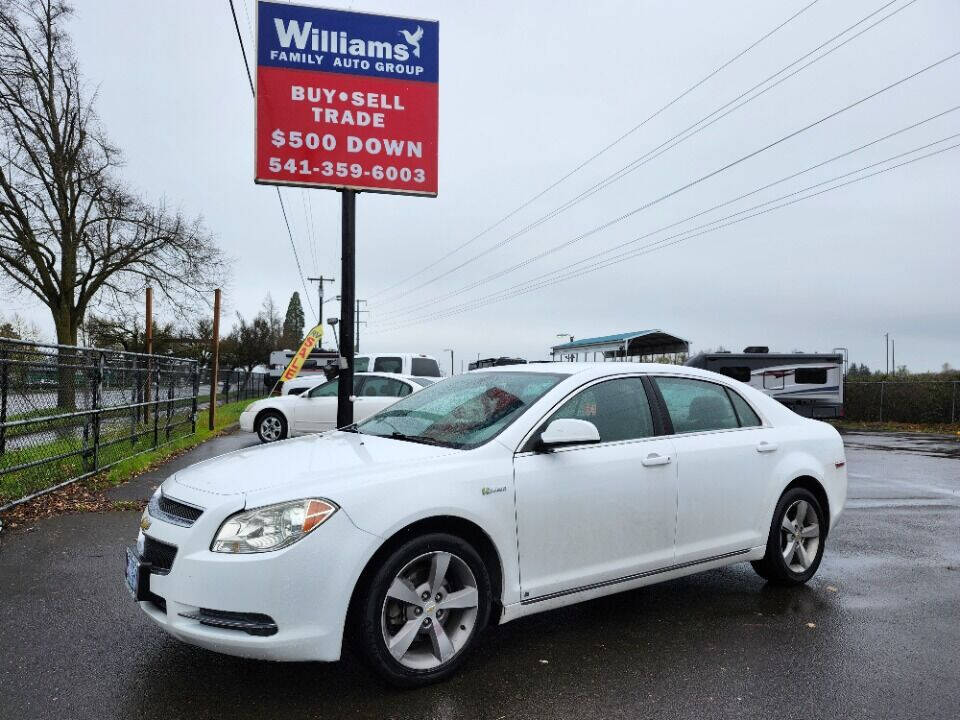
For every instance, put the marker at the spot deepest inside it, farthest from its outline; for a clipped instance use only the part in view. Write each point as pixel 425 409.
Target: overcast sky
pixel 530 90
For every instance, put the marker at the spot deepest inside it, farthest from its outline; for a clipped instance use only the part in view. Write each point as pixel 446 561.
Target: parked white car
pixel 276 418
pixel 484 498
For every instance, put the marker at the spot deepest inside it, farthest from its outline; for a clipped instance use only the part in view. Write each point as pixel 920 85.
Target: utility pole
pixel 320 281
pixel 214 361
pixel 358 321
pixel 451 360
pixel 887 337
pixel 893 355
pixel 348 266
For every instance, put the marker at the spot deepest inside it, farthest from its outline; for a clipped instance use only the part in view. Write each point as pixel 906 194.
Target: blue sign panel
pixel 337 41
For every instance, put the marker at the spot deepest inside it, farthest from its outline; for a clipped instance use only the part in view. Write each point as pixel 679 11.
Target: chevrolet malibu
pixel 478 500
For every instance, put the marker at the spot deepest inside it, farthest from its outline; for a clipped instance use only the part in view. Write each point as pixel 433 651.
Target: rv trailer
pixel 319 362
pixel 810 384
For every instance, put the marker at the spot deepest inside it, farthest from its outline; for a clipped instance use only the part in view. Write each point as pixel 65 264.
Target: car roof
pixel 404 354
pixel 600 369
pixel 321 379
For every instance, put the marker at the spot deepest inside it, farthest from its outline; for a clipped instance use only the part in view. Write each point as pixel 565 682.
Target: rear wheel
pixel 795 544
pixel 422 611
pixel 271 426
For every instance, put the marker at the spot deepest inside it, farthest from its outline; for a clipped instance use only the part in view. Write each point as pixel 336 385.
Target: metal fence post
pixel 196 392
pixel 4 385
pixel 156 403
pixel 170 393
pixel 953 403
pixel 95 402
pixel 135 410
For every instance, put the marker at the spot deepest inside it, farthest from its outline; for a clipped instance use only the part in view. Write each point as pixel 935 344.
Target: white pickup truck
pixel 401 363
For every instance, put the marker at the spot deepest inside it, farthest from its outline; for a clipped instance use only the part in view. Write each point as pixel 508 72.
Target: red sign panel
pixel 346 100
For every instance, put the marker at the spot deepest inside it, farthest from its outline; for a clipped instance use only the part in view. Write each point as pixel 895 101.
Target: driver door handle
pixel 656 459
pixel 765 446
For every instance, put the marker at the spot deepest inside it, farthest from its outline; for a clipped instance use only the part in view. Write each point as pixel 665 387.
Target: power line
pixel 674 141
pixel 283 209
pixel 773 144
pixel 601 151
pixel 599 228
pixel 536 284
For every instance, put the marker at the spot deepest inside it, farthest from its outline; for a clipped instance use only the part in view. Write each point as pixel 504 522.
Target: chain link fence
pixel 68 412
pixel 906 401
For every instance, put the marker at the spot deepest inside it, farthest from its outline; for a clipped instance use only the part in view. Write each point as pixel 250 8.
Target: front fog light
pixel 271 527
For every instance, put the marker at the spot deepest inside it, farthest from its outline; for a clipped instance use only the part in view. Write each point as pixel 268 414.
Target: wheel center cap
pixel 430 608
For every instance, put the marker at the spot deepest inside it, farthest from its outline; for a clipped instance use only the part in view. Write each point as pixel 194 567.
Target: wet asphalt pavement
pixel 876 634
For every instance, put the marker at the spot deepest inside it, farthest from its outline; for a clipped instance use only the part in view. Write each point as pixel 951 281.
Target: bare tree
pixel 70 233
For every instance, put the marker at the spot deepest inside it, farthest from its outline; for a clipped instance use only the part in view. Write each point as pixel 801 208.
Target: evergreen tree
pixel 293 323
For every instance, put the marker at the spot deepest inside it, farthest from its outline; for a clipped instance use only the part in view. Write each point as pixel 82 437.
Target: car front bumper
pixel 246 420
pixel 303 590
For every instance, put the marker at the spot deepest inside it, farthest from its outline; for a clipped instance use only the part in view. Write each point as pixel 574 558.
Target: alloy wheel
pixel 799 536
pixel 271 428
pixel 430 610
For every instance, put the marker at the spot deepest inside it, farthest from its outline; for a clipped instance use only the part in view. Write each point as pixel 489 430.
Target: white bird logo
pixel 413 38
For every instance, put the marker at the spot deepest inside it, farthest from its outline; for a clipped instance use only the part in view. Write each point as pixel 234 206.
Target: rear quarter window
pixel 427 367
pixel 388 364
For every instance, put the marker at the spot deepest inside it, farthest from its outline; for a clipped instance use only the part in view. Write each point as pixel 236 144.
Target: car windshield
pixel 463 411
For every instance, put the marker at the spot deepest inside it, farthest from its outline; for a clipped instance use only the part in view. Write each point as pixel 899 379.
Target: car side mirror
pixel 568 431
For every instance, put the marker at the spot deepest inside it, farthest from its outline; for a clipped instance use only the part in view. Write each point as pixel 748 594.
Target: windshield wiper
pixel 422 439
pixel 353 427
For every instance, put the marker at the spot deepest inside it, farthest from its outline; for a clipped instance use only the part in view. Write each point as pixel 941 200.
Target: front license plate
pixel 136 576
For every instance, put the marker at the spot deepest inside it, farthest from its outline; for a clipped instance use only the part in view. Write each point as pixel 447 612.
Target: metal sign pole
pixel 348 199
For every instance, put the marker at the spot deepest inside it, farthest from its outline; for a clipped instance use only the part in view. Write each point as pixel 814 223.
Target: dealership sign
pixel 346 100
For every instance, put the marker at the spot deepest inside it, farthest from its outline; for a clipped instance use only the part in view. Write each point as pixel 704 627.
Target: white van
pixel 400 363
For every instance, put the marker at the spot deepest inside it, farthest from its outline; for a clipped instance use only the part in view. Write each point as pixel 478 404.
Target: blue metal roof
pixel 607 339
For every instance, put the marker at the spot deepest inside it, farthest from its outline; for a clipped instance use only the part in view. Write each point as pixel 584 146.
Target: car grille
pixel 158 554
pixel 174 511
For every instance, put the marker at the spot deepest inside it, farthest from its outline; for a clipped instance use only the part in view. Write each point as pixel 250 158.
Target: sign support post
pixel 348 101
pixel 348 266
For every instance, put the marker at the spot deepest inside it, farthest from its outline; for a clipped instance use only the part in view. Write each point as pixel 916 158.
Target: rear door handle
pixel 766 446
pixel 655 459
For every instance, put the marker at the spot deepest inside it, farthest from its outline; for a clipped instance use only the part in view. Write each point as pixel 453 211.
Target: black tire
pixel 372 596
pixel 773 567
pixel 265 417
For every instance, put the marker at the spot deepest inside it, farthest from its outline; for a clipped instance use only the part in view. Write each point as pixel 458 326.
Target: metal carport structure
pixel 634 346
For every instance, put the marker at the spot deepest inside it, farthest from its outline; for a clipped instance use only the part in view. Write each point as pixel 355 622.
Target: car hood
pixel 313 464
pixel 279 401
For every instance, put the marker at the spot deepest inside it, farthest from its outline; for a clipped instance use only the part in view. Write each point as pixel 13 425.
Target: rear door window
pixel 388 364
pixel 696 405
pixel 427 367
pixel 384 387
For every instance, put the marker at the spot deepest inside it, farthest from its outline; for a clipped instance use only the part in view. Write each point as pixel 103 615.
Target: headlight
pixel 271 527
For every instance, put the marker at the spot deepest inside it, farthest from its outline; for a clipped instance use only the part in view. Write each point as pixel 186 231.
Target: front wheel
pixel 422 611
pixel 795 544
pixel 271 426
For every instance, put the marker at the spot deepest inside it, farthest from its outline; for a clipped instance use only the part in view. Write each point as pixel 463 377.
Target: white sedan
pixel 275 418
pixel 481 499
